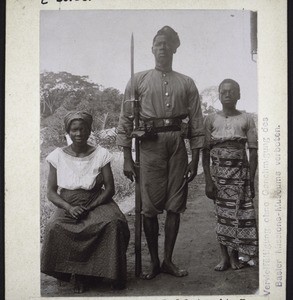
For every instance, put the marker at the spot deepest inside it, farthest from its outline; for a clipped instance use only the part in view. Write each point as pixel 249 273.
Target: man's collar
pixel 163 70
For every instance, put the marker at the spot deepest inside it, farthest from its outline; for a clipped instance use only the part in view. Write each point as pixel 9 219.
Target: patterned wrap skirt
pixel 95 245
pixel 234 209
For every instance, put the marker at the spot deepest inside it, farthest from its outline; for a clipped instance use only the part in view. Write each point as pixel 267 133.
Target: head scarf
pixel 78 115
pixel 171 35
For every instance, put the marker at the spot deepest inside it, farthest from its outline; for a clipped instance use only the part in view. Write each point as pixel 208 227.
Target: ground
pixel 196 250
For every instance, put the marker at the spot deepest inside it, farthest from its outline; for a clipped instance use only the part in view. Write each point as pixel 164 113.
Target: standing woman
pixel 230 179
pixel 87 235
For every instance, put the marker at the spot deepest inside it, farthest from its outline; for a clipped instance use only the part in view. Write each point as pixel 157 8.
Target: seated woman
pixel 88 235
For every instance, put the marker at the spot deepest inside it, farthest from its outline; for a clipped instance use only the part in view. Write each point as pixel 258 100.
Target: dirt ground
pixel 196 250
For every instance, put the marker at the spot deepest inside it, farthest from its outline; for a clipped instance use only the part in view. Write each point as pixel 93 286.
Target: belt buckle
pixel 167 122
pixel 149 123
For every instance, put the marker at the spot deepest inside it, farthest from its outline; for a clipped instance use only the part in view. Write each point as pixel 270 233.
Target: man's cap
pixel 171 35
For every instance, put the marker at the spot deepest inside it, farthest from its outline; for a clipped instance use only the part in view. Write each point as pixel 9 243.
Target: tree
pixel 209 98
pixel 64 88
pixel 63 92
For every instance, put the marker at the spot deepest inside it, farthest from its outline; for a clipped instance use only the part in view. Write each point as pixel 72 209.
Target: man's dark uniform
pixel 165 98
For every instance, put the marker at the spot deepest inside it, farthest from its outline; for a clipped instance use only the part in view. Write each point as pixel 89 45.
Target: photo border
pixel 22 248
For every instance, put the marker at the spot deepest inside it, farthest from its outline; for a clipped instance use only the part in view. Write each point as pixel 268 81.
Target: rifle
pixel 136 134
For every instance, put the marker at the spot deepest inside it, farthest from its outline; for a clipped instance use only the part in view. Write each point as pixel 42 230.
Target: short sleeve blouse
pixel 219 128
pixel 78 172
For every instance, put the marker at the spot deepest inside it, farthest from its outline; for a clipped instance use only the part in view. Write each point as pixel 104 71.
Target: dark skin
pixel 79 134
pixel 163 52
pixel 229 95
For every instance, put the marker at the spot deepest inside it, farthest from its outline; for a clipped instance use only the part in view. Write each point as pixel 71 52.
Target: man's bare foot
pixel 79 285
pixel 223 265
pixel 155 270
pixel 172 269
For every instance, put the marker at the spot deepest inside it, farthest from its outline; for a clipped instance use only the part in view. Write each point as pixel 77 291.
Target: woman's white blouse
pixel 78 172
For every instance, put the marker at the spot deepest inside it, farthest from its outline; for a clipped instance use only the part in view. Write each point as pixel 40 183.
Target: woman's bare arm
pixel 252 162
pixel 253 166
pixel 52 195
pixel 210 189
pixel 109 191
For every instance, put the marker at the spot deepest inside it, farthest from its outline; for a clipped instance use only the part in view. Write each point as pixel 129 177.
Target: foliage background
pixel 63 92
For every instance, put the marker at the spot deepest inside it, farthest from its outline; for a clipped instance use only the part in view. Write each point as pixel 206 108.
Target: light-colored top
pixel 162 95
pixel 219 128
pixel 78 172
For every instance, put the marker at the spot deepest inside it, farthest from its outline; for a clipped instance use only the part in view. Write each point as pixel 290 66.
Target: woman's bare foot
pixel 60 282
pixel 170 268
pixel 237 265
pixel 154 271
pixel 223 265
pixel 119 285
pixel 234 261
pixel 79 285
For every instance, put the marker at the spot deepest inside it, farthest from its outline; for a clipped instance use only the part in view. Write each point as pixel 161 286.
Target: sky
pixel 215 44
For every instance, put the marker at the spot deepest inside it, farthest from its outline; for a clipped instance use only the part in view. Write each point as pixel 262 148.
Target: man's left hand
pixel 191 171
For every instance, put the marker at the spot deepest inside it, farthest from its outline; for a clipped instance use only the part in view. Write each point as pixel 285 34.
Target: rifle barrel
pixel 137 170
pixel 132 67
pixel 137 223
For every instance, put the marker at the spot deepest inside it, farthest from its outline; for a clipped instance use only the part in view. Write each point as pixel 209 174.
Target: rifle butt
pixel 138 224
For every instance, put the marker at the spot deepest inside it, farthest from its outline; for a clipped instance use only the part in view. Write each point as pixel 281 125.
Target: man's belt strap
pixel 163 125
pixel 167 129
pixel 157 123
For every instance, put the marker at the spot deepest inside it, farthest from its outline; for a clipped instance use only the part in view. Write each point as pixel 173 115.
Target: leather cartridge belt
pixel 163 125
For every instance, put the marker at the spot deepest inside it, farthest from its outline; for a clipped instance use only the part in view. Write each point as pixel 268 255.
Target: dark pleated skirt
pixel 93 246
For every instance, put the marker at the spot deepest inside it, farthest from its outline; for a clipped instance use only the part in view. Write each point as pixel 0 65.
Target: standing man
pixel 166 98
